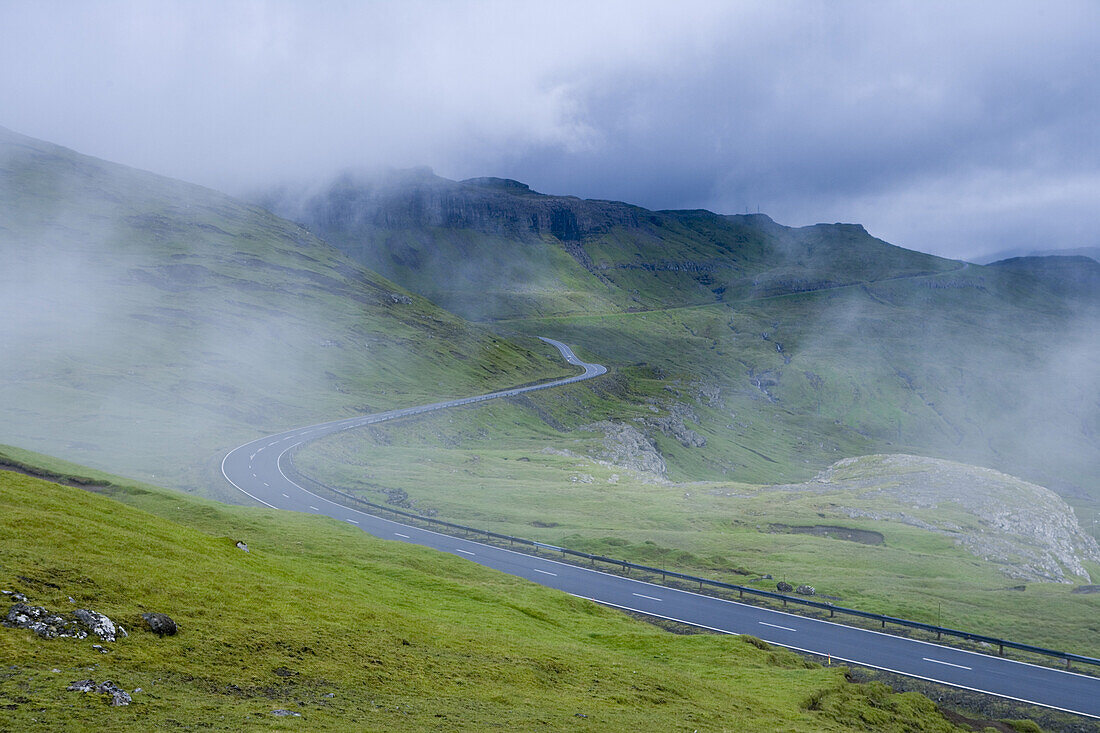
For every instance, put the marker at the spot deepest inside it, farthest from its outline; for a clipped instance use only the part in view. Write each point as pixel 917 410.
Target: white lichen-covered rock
pixel 99 624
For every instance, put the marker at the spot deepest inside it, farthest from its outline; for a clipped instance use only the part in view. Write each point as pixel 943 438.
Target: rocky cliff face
pixel 419 199
pixel 455 241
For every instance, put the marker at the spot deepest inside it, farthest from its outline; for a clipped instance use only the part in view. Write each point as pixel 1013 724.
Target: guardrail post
pixel 741 593
pixel 884 623
pixel 1002 651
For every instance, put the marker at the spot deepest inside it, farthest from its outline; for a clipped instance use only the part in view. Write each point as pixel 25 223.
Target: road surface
pixel 256 469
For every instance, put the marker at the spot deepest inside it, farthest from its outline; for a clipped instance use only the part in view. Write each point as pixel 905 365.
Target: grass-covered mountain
pixel 149 324
pixel 350 632
pixel 490 248
pixel 744 349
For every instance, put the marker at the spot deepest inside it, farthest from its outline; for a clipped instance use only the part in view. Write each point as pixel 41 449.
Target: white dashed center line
pixel 287 496
pixel 545 572
pixel 776 626
pixel 949 664
pixel 402 535
pixel 315 508
pixel 352 521
pixel 640 595
pixel 464 552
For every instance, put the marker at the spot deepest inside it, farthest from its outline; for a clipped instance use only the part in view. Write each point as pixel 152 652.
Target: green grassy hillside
pixel 149 324
pixel 785 348
pixel 353 632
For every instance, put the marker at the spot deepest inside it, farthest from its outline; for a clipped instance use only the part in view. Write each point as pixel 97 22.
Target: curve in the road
pixel 256 470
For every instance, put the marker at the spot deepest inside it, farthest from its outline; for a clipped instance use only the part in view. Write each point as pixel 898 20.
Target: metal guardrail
pixel 626 566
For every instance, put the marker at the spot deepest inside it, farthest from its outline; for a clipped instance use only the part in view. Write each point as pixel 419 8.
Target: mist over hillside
pixel 784 347
pixel 150 324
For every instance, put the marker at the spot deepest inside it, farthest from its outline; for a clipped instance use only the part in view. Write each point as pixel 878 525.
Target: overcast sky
pixel 955 128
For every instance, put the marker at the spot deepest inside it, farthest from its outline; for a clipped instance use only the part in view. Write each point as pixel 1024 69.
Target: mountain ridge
pixel 414 227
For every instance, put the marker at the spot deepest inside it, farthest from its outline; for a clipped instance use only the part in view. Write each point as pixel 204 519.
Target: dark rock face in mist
pixel 417 199
pixel 455 241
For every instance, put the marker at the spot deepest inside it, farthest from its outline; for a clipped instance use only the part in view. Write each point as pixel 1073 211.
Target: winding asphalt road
pixel 256 469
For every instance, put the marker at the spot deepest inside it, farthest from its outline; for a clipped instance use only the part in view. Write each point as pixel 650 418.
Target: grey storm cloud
pixel 956 128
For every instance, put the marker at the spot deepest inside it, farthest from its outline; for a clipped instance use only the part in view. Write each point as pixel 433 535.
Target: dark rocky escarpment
pixel 418 199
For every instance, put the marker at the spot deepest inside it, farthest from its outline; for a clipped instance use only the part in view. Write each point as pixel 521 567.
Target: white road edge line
pixel 777 626
pixel 845 659
pixel 949 664
pixel 723 600
pixel 328 428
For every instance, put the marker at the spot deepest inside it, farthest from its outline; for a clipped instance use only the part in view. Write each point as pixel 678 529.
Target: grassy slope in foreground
pixel 404 638
pixel 150 324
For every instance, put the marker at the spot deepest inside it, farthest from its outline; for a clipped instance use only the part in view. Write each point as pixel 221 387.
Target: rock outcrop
pixel 50 625
pixel 627 446
pixel 1026 529
pixel 115 695
pixel 160 624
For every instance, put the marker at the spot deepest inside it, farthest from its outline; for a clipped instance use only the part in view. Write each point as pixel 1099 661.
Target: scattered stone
pixel 137 689
pixel 286 713
pixel 98 624
pixel 56 671
pixel 160 624
pixel 242 546
pixel 400 299
pixel 806 590
pixel 784 587
pixel 330 694
pixel 579 715
pixel 99 648
pixel 118 695
pixel 15 595
pixel 41 621
pixel 285 672
pixel 1086 589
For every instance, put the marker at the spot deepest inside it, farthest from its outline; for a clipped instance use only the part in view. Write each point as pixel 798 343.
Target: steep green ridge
pixel 150 324
pixel 353 632
pixel 493 249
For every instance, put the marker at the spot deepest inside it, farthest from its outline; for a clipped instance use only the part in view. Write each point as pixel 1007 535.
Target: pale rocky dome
pixel 1026 528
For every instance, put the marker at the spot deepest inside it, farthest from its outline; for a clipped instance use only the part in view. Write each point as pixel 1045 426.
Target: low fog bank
pixel 149 325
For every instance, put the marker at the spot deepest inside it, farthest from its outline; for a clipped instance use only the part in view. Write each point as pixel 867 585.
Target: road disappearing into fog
pixel 256 469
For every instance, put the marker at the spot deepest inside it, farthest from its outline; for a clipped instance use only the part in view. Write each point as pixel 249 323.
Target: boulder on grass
pixel 160 624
